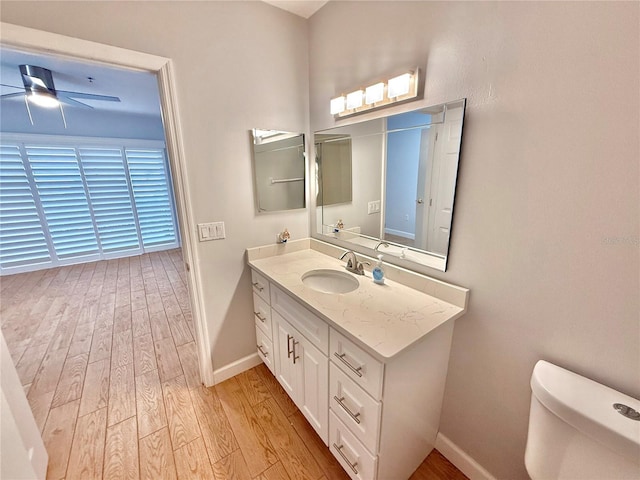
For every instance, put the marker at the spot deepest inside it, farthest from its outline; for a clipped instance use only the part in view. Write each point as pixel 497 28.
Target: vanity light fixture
pixel 381 94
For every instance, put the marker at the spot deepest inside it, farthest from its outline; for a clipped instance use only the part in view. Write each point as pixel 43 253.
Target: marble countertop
pixel 383 319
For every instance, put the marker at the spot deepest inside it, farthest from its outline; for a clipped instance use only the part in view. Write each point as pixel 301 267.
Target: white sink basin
pixel 330 281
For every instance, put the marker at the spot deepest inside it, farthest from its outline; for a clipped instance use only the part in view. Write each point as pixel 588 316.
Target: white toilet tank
pixel 576 433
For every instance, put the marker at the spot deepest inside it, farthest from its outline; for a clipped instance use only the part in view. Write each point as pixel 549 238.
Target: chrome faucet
pixel 384 244
pixel 353 265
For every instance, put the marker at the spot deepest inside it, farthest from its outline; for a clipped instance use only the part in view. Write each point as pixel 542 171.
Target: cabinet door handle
pixel 356 370
pixel 266 354
pixel 258 286
pixel 289 349
pixel 346 409
pixel 260 317
pixel 295 357
pixel 351 465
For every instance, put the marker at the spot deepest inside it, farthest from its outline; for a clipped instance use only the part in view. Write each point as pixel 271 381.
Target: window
pixel 64 201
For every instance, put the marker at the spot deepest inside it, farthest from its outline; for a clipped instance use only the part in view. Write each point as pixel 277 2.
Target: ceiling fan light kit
pixel 40 90
pixel 38 85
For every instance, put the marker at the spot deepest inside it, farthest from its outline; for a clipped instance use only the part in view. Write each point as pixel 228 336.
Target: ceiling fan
pixel 40 90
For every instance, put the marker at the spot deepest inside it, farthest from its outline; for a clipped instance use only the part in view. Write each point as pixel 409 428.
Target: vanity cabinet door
pixel 303 372
pixel 313 394
pixel 285 368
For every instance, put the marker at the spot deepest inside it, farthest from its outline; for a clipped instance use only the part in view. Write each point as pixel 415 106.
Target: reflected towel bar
pixel 287 180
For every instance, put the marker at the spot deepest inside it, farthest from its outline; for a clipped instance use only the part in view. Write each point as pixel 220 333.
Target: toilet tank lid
pixel 588 407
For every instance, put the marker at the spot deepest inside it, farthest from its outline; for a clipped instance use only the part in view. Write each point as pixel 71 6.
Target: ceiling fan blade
pixel 11 95
pixel 88 96
pixel 11 86
pixel 72 102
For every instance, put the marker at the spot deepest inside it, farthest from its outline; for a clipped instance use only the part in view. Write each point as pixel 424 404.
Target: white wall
pixel 239 65
pixel 545 230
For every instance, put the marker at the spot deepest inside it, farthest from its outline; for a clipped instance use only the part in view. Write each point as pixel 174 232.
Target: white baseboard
pixel 239 366
pixel 400 233
pixel 461 459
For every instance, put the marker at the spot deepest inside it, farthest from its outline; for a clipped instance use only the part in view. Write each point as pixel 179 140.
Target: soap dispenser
pixel 378 272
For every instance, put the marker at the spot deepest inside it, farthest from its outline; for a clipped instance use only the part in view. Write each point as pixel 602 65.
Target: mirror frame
pixel 420 260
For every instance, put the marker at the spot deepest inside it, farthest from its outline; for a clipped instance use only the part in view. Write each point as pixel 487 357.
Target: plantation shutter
pixel 22 240
pixel 150 183
pixel 69 199
pixel 110 197
pixel 64 201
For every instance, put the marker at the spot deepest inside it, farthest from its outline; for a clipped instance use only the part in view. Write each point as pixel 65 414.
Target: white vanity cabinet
pixel 379 415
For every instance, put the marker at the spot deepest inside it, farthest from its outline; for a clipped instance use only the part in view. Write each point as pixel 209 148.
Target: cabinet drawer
pixel 262 312
pixel 355 407
pixel 361 367
pixel 312 327
pixel 351 454
pixel 265 348
pixel 260 285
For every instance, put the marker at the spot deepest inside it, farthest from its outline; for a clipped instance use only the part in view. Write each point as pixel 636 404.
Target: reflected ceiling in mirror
pixel 279 170
pixel 404 169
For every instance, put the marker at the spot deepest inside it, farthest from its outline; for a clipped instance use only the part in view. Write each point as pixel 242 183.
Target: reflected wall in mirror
pixel 405 169
pixel 279 170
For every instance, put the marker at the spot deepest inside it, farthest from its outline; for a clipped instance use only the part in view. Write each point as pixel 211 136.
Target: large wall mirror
pixel 279 170
pixel 402 172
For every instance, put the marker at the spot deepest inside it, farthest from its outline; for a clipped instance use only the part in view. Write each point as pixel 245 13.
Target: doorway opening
pixel 113 336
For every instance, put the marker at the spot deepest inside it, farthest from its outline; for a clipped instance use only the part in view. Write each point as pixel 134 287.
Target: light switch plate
pixel 218 230
pixel 373 207
pixel 211 231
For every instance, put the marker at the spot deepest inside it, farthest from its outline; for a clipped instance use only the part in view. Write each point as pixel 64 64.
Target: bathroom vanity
pixel 367 368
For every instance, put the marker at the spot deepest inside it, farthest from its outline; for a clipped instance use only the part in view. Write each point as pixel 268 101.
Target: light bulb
pixel 374 93
pixel 337 105
pixel 399 86
pixel 354 99
pixel 45 100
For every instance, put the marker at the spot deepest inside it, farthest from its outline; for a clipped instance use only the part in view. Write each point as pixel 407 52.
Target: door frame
pixel 38 41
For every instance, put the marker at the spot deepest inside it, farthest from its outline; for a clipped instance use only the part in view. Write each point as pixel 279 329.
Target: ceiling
pixel 302 8
pixel 138 91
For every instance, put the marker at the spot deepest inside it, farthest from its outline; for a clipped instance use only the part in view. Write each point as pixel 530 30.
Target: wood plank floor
pixel 106 354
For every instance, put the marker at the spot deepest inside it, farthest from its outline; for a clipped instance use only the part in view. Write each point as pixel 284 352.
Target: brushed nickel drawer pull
pixel 289 349
pixel 258 286
pixel 346 409
pixel 266 354
pixel 340 356
pixel 295 357
pixel 260 317
pixel 351 465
